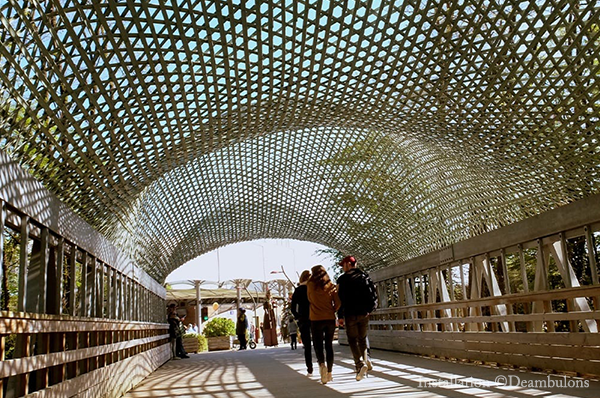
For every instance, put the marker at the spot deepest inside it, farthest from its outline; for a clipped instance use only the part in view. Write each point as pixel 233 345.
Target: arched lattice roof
pixel 382 128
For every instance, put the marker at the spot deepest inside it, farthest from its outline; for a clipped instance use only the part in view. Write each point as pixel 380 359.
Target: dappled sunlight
pixel 280 372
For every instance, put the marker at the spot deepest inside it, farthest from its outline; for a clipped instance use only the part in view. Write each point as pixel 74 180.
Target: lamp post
pixel 263 259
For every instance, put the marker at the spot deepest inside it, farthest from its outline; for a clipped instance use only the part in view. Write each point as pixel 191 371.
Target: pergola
pixel 388 129
pixel 452 146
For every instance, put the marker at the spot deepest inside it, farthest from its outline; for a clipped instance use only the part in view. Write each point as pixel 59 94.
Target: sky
pixel 253 260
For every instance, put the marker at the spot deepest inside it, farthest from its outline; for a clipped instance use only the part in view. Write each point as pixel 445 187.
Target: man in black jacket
pixel 301 310
pixel 359 298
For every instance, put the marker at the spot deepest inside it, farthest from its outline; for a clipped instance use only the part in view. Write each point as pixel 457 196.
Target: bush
pixel 202 343
pixel 217 327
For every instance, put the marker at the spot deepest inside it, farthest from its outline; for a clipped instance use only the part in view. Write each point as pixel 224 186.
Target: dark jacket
pixel 175 326
pixel 300 306
pixel 241 325
pixel 357 293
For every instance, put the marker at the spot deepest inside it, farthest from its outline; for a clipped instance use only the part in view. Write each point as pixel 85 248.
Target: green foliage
pixel 10 271
pixel 217 327
pixel 9 346
pixel 202 343
pixel 335 256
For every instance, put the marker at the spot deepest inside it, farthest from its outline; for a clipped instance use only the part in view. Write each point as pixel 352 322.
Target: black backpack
pixel 371 298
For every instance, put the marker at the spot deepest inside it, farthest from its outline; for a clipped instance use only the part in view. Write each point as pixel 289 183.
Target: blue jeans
pixel 322 334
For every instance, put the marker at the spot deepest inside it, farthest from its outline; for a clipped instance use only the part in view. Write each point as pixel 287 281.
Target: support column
pixel 83 297
pixel 60 272
pixel 198 306
pixel 23 264
pixel 37 275
pixel 540 284
pixel 72 280
pixel 4 297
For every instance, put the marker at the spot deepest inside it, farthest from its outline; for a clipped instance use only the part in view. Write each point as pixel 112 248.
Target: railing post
pixel 73 281
pixel 23 264
pixel 60 271
pixel 4 295
pixel 83 297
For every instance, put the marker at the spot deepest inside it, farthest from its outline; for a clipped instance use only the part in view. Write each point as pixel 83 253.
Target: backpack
pixel 371 298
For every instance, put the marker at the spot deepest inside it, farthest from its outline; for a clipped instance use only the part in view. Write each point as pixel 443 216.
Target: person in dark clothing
pixel 293 331
pixel 359 298
pixel 241 327
pixel 301 310
pixel 175 332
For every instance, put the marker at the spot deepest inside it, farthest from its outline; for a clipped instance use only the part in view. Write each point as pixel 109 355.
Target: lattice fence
pixel 384 128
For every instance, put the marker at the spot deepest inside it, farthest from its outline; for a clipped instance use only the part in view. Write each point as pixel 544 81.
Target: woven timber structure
pixel 388 129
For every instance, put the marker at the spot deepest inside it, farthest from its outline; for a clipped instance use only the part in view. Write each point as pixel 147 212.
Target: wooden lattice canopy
pixel 386 129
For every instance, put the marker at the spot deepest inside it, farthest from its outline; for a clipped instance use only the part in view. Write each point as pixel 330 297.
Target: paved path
pixel 280 372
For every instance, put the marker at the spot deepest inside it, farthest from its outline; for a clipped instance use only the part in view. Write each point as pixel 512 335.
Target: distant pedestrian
pixel 269 330
pixel 301 310
pixel 241 328
pixel 176 331
pixel 324 302
pixel 293 331
pixel 359 298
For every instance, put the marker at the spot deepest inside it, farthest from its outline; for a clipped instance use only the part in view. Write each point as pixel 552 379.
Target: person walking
pixel 293 331
pixel 359 298
pixel 241 327
pixel 324 302
pixel 301 310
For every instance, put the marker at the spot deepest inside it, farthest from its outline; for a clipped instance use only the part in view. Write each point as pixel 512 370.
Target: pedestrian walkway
pixel 280 372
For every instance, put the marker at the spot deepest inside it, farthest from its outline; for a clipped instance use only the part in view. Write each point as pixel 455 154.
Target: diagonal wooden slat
pixel 385 128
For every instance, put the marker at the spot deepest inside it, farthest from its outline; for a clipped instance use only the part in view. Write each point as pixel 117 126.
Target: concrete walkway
pixel 280 372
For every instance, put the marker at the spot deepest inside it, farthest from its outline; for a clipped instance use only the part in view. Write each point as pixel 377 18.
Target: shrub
pixel 202 343
pixel 217 327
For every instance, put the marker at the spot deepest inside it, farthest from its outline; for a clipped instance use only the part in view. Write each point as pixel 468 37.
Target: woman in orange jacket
pixel 324 302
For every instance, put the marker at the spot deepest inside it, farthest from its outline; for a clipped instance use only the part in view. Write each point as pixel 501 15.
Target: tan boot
pixel 323 372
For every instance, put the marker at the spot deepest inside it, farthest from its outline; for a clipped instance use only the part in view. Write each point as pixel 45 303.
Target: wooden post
pixel 527 307
pixel 23 264
pixel 3 294
pixel 73 281
pixel 2 337
pixel 463 287
pixel 540 284
pixel 83 298
pixel 60 264
pixel 93 286
pixel 475 276
pixel 591 252
pixel 100 289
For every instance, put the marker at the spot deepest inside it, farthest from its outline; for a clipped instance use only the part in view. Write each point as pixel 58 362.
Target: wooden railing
pixel 78 317
pixel 56 354
pixel 424 329
pixel 526 295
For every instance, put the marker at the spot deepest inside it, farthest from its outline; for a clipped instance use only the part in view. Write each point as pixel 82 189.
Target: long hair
pixel 305 276
pixel 320 277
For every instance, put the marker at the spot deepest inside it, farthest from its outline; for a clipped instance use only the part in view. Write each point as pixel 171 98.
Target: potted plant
pixel 193 342
pixel 190 342
pixel 218 332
